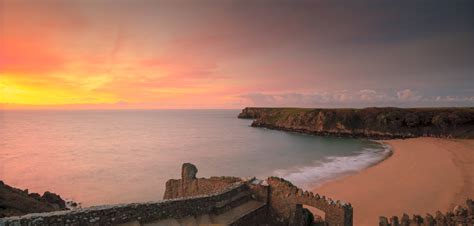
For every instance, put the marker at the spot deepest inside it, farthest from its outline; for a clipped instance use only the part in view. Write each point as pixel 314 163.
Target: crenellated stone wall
pixel 459 216
pixel 284 198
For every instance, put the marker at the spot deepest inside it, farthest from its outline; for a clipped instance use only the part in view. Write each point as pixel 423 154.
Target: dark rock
pixel 14 202
pixel 54 199
pixel 35 196
pixel 72 204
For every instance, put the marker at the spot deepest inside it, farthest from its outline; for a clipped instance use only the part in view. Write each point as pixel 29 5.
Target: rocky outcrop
pixel 254 113
pixel 14 201
pixel 378 123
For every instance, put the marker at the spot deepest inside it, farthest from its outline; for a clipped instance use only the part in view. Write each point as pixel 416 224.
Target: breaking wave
pixel 333 167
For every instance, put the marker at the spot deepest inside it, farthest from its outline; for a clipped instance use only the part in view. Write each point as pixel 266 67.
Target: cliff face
pixel 376 123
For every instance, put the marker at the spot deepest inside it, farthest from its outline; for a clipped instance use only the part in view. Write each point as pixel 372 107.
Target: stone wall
pixel 281 204
pixel 189 185
pixel 256 217
pixel 135 212
pixel 284 198
pixel 459 216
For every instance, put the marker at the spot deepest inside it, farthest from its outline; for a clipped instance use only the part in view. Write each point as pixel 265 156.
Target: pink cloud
pixel 22 56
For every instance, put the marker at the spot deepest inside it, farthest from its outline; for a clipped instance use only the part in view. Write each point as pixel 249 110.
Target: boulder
pixel 54 199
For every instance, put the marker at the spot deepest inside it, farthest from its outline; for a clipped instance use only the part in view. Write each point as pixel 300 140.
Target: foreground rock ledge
pixel 14 202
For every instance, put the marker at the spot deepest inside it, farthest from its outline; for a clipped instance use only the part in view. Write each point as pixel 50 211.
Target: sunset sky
pixel 232 54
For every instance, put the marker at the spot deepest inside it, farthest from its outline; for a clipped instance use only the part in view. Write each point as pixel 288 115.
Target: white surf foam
pixel 334 167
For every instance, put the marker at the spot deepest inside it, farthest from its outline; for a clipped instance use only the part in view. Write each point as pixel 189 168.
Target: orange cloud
pixel 91 54
pixel 24 56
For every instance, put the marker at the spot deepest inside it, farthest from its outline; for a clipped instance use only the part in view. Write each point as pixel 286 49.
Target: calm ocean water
pixel 105 157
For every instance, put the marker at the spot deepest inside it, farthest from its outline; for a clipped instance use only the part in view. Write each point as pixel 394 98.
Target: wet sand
pixel 423 175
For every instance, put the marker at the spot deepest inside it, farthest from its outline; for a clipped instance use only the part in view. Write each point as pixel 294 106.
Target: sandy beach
pixel 423 175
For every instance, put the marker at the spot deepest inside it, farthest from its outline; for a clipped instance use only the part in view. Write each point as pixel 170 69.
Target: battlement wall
pixel 459 216
pixel 284 196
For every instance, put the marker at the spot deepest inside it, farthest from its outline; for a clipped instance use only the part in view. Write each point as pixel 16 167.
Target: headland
pixel 373 123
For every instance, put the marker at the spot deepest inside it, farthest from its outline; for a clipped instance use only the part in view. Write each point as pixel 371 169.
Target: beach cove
pixel 423 175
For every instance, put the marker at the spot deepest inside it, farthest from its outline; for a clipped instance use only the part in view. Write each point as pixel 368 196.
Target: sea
pixel 97 157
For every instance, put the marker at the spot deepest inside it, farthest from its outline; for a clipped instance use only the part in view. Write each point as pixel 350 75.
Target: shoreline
pixel 330 168
pixel 421 175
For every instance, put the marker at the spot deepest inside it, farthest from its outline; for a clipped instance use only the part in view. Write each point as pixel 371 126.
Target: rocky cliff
pixel 14 201
pixel 377 123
